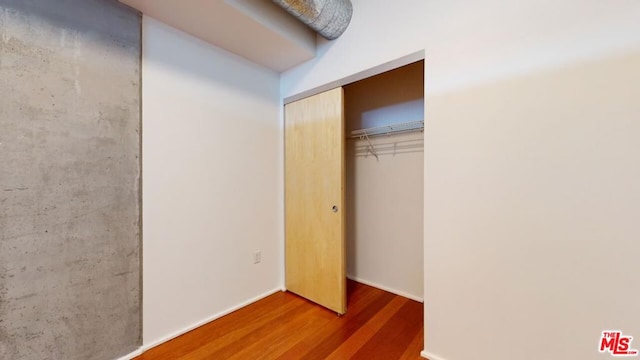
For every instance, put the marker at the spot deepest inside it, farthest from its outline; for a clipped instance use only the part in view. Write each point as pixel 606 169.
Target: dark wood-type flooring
pixel 377 325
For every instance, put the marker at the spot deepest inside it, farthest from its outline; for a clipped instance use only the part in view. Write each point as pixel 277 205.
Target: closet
pixel 354 188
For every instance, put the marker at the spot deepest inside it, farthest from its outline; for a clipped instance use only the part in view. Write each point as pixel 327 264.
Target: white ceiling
pixel 254 29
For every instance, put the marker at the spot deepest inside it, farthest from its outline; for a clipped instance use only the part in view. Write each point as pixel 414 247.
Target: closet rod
pixel 388 129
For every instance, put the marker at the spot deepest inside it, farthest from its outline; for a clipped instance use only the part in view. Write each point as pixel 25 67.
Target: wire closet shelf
pixel 388 129
pixel 406 127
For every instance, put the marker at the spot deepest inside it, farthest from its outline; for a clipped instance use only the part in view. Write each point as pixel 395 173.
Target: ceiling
pixel 257 30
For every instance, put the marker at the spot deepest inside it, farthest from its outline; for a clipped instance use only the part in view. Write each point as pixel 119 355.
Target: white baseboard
pixel 131 355
pixel 427 355
pixel 183 331
pixel 394 291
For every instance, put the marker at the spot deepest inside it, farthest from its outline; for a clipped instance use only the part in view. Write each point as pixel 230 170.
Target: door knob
pixel 334 208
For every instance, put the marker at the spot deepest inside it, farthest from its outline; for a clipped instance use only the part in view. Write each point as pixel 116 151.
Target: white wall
pixel 532 166
pixel 212 181
pixel 385 195
pixel 537 185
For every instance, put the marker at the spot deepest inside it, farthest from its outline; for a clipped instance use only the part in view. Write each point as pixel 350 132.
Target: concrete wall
pixel 385 195
pixel 69 179
pixel 213 182
pixel 531 166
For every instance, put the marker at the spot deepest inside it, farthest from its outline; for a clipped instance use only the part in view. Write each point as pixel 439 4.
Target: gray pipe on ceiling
pixel 330 18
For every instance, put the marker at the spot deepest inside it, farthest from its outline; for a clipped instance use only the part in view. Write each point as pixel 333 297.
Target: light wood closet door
pixel 314 200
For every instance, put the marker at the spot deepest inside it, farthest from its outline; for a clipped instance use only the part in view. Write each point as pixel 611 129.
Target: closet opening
pixel 384 169
pixel 354 183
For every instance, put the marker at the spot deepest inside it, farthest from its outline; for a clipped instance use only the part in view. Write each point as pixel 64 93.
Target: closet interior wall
pixel 384 194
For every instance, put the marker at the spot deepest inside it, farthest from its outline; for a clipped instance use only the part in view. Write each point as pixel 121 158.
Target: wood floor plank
pixel 347 327
pixel 213 331
pixel 242 334
pixel 349 347
pixel 391 341
pixel 377 325
pixel 359 296
pixel 284 336
pixel 415 347
pixel 335 331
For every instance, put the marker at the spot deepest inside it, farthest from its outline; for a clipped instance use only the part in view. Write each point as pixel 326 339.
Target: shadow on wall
pixel 392 97
pixel 202 63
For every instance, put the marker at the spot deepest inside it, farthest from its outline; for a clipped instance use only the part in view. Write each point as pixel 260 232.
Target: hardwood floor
pixel 377 325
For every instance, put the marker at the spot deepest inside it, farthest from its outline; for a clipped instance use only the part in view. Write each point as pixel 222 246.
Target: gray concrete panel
pixel 69 179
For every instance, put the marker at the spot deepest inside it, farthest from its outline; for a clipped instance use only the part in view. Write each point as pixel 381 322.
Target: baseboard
pixel 206 321
pixel 131 355
pixel 427 355
pixel 394 291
